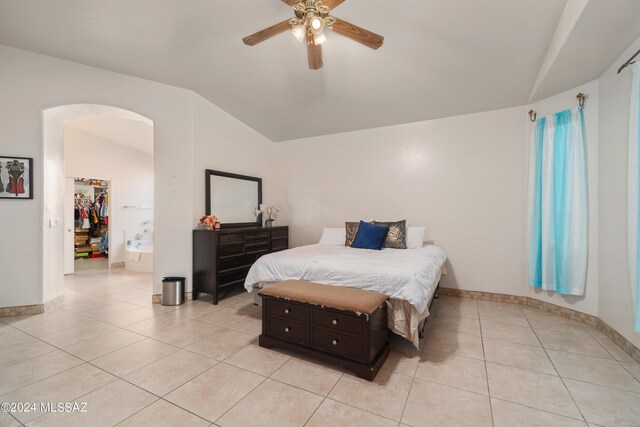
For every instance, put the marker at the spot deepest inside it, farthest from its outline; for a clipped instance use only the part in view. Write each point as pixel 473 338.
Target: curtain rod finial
pixel 532 115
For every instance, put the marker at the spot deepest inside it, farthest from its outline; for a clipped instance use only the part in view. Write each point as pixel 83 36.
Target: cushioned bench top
pixel 341 298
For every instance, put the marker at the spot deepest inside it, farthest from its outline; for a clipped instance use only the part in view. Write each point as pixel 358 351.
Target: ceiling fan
pixel 312 18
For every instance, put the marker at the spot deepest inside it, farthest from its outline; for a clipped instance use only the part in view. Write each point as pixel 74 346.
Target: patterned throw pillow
pixel 397 236
pixel 351 229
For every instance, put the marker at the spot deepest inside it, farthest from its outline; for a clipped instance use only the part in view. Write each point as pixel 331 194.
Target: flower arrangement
pixel 270 212
pixel 209 222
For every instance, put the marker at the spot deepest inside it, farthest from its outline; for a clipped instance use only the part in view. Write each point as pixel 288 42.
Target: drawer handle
pixel 286 311
pixel 335 321
pixel 334 342
pixel 286 329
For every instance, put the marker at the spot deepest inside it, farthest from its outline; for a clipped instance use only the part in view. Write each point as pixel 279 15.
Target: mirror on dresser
pixel 233 198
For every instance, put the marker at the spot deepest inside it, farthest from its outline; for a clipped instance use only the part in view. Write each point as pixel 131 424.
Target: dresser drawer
pixel 257 235
pixel 336 343
pixel 231 249
pixel 275 234
pixel 258 247
pixel 288 330
pixel 231 238
pixel 233 276
pixel 280 244
pixel 287 310
pixel 337 322
pixel 237 261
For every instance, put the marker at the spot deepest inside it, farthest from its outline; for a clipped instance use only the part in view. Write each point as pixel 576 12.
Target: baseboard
pixel 157 298
pixel 23 310
pixel 620 341
pixel 578 316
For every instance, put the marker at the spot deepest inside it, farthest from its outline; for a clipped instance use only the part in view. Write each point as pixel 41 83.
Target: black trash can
pixel 173 290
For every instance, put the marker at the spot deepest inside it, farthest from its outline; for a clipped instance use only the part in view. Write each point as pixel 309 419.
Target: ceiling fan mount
pixel 312 17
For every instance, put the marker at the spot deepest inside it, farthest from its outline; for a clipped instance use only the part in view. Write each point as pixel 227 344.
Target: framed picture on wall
pixel 16 178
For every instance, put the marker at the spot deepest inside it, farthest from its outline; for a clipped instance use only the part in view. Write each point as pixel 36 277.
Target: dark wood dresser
pixel 222 258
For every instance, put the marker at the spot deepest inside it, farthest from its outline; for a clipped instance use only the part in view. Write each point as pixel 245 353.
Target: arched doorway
pixel 90 144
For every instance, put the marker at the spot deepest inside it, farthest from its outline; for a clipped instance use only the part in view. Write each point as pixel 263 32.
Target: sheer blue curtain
pixel 634 195
pixel 558 204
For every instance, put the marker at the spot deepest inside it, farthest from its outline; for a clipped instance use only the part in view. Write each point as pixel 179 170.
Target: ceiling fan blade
pixel 367 38
pixel 314 52
pixel 267 33
pixel 332 4
pixel 291 2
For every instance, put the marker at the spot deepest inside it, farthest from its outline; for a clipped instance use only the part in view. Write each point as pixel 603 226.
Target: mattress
pixel 409 275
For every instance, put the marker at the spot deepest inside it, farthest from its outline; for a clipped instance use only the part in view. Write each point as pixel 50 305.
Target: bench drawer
pixel 287 310
pixel 336 343
pixel 288 330
pixel 337 322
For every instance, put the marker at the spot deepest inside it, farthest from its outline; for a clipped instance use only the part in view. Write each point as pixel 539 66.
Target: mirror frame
pixel 209 173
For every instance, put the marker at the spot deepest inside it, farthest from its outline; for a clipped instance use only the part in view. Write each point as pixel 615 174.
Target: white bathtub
pixel 139 259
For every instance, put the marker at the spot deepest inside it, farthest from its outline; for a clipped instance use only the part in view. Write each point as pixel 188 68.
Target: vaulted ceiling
pixel 440 57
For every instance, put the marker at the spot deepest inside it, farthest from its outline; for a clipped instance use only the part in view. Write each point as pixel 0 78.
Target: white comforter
pixel 406 274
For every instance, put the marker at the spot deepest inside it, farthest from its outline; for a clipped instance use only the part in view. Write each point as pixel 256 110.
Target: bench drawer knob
pixel 335 321
pixel 334 342
pixel 286 329
pixel 286 311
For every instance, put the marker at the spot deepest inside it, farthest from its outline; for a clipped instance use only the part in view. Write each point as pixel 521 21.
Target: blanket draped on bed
pixel 408 276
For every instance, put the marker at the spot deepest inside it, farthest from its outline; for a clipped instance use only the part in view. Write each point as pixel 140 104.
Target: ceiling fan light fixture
pixel 320 38
pixel 316 25
pixel 299 31
pixel 312 18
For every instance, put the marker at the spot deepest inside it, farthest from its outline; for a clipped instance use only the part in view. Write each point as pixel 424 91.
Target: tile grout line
pixel 323 400
pixel 538 409
pixel 406 401
pixel 559 376
pixel 627 369
pixel 17 420
pixel 243 398
pixel 197 319
pixel 486 369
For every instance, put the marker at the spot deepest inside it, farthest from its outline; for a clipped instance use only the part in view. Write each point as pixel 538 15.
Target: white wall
pixel 52 207
pixel 31 83
pixel 615 301
pixel 130 173
pixel 461 177
pixel 223 143
pixel 589 302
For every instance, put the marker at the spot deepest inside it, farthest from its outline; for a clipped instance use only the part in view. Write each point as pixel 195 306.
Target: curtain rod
pixel 629 62
pixel 533 115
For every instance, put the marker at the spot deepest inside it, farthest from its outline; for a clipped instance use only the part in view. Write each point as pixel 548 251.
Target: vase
pixel 268 223
pixel 208 227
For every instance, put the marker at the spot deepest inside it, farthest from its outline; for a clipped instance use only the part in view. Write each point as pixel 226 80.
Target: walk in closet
pixel 91 218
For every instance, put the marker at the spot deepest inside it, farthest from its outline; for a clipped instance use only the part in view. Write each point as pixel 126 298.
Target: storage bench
pixel 344 326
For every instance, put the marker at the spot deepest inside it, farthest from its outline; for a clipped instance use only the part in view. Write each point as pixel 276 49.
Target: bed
pixel 408 276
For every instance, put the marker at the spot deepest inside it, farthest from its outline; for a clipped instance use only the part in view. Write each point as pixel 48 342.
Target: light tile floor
pixel 138 364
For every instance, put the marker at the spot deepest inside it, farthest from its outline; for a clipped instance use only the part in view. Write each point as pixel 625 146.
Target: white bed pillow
pixel 415 237
pixel 333 236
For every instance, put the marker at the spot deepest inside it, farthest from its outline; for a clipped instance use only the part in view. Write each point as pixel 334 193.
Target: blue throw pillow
pixel 370 236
